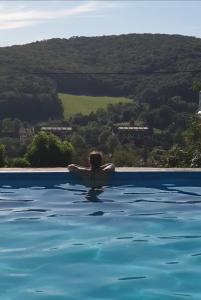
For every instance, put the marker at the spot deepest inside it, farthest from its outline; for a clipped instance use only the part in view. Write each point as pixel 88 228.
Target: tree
pixel 177 103
pixel 126 156
pixel 189 155
pixel 177 158
pixel 2 155
pixel 77 141
pixel 47 150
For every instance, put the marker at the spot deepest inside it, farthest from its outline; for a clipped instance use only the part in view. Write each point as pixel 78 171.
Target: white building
pixel 62 132
pixel 199 107
pixel 25 134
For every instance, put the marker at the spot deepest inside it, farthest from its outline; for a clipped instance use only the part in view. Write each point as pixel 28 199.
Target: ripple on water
pixel 132 278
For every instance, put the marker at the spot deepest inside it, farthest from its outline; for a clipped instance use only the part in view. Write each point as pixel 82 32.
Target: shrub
pixel 20 162
pixel 47 150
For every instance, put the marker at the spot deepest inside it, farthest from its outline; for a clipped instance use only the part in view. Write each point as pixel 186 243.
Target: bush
pixel 20 162
pixel 47 150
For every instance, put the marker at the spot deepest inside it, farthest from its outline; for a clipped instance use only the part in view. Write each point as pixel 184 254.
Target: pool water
pixel 139 238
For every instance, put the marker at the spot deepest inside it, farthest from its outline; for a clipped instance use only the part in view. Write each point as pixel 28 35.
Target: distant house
pixel 62 132
pixel 25 133
pixel 199 107
pixel 136 132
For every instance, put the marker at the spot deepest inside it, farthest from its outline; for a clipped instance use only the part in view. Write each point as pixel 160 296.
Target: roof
pixel 57 128
pixel 134 128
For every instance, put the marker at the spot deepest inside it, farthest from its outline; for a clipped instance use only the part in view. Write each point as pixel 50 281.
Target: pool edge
pixel 119 170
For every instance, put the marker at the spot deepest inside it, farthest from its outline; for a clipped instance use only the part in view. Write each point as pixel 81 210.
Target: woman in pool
pixel 97 174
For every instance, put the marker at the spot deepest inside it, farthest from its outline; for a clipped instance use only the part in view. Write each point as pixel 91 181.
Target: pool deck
pixel 63 170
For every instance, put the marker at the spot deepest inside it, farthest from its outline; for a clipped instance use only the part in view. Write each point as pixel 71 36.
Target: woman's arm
pixel 104 166
pixel 76 169
pixel 108 167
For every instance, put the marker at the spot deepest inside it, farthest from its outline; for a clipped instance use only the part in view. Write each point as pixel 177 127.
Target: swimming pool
pixel 139 238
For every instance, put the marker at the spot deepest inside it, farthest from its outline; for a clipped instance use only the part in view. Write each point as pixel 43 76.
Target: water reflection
pixel 93 194
pixel 65 196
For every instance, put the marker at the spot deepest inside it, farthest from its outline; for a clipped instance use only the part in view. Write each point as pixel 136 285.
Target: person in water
pixel 96 175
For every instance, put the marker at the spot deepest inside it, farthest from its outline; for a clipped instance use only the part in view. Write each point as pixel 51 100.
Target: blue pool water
pixel 140 238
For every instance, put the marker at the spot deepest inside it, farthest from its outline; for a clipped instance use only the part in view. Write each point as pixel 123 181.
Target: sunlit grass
pixel 73 104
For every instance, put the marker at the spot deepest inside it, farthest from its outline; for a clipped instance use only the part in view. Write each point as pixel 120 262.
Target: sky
pixel 27 21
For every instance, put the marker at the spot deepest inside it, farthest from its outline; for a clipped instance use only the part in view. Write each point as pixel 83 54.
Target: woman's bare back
pixel 93 178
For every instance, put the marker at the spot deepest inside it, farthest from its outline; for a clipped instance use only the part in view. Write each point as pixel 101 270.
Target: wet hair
pixel 95 159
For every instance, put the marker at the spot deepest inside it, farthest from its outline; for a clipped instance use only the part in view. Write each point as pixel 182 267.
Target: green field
pixel 73 104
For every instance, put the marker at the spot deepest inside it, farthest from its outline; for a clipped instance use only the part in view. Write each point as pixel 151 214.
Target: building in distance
pixel 25 134
pixel 127 133
pixel 199 107
pixel 61 132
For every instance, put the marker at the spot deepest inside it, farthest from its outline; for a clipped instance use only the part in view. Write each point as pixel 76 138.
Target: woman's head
pixel 95 159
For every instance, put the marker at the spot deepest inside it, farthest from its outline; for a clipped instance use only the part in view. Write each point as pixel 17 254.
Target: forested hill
pixel 142 54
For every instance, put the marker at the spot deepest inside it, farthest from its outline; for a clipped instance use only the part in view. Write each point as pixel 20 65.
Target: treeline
pixel 140 54
pixel 29 98
pixel 157 148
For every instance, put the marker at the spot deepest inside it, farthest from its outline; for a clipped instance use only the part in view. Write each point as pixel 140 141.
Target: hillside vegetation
pixel 73 104
pixel 32 75
pixel 146 68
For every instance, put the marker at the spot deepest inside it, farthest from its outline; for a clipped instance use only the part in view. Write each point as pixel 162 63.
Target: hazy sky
pixel 26 21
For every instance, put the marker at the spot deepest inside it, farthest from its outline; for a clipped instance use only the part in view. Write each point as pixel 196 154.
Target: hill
pixel 31 75
pixel 73 104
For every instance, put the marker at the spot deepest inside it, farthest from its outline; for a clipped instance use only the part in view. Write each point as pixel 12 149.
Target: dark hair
pixel 95 159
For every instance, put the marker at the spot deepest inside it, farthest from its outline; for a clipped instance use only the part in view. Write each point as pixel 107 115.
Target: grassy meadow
pixel 73 104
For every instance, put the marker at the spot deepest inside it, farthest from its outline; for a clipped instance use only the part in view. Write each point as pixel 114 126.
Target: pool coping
pixel 124 169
